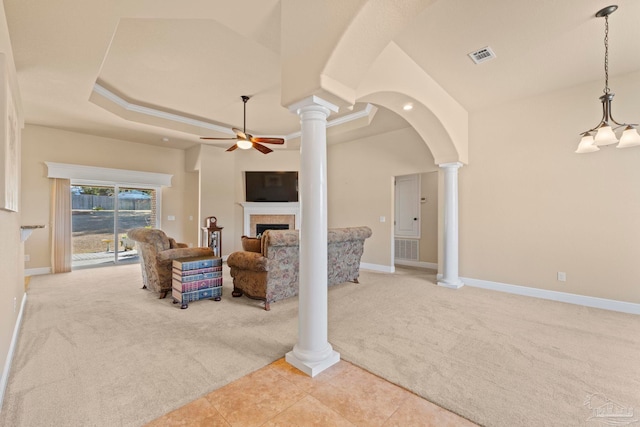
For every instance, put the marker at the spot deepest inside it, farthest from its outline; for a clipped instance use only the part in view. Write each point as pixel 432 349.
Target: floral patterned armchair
pixel 272 274
pixel 157 252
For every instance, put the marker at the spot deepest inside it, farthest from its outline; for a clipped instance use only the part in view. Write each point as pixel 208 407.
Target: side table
pixel 196 278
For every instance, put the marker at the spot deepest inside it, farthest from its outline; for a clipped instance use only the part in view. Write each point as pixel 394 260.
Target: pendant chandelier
pixel 604 133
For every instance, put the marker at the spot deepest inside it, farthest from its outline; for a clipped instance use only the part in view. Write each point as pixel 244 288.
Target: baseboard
pixel 377 267
pixel 419 264
pixel 4 380
pixel 603 303
pixel 37 271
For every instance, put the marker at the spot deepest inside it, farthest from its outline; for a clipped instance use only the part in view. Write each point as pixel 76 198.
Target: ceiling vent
pixel 482 55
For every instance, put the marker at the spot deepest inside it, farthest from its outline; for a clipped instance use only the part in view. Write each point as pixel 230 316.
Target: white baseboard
pixel 37 271
pixel 4 380
pixel 603 303
pixel 377 267
pixel 419 264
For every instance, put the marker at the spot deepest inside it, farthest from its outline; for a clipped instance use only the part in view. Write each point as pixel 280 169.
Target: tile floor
pixel 280 395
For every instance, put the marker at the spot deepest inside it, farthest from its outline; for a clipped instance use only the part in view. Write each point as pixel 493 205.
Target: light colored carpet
pixel 96 350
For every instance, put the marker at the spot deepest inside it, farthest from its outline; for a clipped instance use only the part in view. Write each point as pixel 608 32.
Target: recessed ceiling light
pixel 165 139
pixel 408 106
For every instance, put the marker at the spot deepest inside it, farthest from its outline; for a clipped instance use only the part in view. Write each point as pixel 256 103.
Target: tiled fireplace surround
pixel 270 213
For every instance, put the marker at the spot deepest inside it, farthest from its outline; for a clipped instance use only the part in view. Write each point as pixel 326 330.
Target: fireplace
pixel 261 228
pixel 283 213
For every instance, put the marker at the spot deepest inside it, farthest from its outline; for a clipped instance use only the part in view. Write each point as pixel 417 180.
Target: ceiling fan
pixel 245 140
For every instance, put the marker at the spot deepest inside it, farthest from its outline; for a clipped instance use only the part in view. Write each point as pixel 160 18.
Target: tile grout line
pixel 310 394
pixel 282 378
pixel 404 401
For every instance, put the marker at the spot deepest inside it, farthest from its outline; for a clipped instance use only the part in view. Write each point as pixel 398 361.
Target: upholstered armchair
pixel 157 252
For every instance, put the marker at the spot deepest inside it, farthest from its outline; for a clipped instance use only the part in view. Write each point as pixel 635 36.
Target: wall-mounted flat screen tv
pixel 271 186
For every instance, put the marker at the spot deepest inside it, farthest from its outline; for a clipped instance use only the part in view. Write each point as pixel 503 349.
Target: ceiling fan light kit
pixel 243 144
pixel 244 140
pixel 604 133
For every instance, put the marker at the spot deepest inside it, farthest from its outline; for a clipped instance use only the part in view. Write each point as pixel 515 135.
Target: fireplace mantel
pixel 267 208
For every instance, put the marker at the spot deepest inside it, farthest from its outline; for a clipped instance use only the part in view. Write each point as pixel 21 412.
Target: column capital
pixel 452 165
pixel 313 101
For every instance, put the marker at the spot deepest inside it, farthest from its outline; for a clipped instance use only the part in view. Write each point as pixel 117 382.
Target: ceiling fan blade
pixel 262 148
pixel 267 140
pixel 233 147
pixel 218 139
pixel 240 134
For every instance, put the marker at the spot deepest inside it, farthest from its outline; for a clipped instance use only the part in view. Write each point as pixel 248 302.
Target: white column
pixel 313 353
pixel 450 277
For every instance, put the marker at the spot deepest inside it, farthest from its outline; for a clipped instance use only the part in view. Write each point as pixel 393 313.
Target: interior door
pixel 407 206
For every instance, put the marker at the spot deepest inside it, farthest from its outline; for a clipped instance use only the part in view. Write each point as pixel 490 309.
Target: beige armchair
pixel 157 252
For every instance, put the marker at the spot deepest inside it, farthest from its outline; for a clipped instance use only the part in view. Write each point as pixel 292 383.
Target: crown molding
pixel 126 106
pixel 134 112
pixel 368 111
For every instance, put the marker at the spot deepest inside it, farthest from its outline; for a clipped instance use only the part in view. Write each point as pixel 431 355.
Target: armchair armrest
pixel 246 260
pixel 173 244
pixel 171 254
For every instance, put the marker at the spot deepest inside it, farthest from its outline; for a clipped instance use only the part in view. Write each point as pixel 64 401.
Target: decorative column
pixel 313 353
pixel 450 277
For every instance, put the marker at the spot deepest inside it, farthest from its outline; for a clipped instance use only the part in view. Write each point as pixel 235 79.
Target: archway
pixel 386 76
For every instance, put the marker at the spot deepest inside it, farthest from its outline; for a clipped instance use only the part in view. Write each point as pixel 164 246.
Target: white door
pixel 407 209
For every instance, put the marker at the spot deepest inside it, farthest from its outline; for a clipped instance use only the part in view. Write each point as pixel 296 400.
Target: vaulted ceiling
pixel 165 72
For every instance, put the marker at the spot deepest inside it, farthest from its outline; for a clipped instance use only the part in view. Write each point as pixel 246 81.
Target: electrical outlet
pixel 562 276
pixel 27 258
pixel 15 304
pixel 383 219
pixel 171 218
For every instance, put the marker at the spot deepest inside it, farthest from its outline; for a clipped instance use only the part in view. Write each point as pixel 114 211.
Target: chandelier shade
pixel 630 138
pixel 604 132
pixel 587 144
pixel 605 135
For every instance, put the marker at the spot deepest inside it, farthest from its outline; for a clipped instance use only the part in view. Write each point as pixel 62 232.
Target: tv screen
pixel 271 186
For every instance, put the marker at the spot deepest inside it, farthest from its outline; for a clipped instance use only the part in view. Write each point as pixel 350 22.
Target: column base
pixel 312 368
pixel 451 284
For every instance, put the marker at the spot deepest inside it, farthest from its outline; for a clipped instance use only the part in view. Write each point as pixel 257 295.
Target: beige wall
pixel 40 144
pixel 218 193
pixel 429 217
pixel 530 207
pixel 359 191
pixel 252 160
pixel 360 184
pixel 11 249
pixel 12 283
pixel 222 185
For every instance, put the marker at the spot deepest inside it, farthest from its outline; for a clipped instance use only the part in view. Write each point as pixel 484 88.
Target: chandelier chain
pixel 606 54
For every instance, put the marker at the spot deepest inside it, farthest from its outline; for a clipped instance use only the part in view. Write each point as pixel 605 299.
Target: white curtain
pixel 61 230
